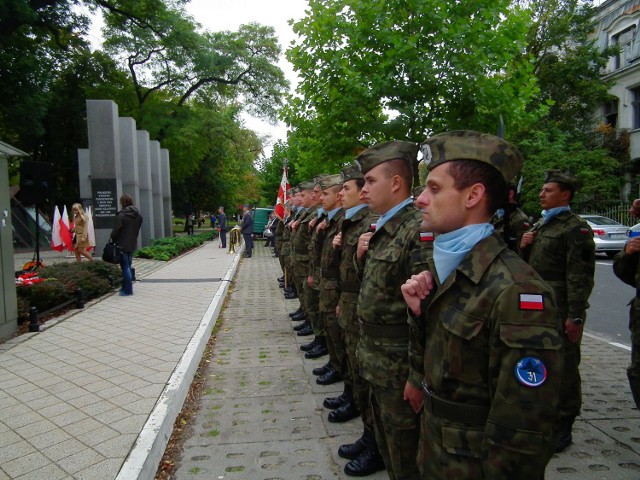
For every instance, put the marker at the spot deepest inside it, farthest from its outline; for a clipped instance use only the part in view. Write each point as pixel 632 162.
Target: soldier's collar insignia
pixel 531 372
pixel 427 236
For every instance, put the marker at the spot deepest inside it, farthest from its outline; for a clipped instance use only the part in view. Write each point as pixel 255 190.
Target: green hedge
pixel 95 278
pixel 168 247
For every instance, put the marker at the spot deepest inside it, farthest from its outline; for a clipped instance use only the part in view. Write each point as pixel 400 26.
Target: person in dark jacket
pixel 222 224
pixel 125 234
pixel 246 227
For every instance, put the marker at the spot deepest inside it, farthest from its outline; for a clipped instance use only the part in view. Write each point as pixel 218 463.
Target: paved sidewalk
pixel 95 396
pixel 261 414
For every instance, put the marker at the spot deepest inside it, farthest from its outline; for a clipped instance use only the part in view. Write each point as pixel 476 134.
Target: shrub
pixel 43 296
pixel 168 247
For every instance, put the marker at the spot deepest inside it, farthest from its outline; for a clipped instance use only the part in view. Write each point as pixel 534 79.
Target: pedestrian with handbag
pixel 125 234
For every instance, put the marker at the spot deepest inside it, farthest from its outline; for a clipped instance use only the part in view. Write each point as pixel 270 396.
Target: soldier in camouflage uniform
pixel 486 345
pixel 627 268
pixel 364 453
pixel 510 222
pixel 287 241
pixel 300 241
pixel 560 248
pixel 385 258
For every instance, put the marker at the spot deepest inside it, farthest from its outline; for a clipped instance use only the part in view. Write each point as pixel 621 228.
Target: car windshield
pixel 598 220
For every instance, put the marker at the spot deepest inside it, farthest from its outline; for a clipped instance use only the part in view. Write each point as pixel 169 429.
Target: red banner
pixel 282 195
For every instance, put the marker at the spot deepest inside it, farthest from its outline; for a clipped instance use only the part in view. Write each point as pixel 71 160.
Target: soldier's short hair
pixel 467 172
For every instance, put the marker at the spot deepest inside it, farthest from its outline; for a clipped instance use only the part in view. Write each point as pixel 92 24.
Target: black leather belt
pixel 399 330
pixel 454 411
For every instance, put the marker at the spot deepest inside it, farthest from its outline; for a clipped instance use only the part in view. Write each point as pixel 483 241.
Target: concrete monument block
pixel 129 161
pixel 166 192
pixel 147 232
pixel 106 173
pixel 84 174
pixel 156 189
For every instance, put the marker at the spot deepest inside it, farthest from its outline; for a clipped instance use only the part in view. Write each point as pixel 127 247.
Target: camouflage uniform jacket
pixel 518 223
pixel 330 265
pixel 349 281
pixel 280 231
pixel 627 268
pixel 395 253
pixel 300 241
pixel 316 237
pixel 563 254
pixel 491 314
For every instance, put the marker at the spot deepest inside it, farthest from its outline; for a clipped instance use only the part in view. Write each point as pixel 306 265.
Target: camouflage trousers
pixel 397 430
pixel 335 344
pixel 311 302
pixel 571 388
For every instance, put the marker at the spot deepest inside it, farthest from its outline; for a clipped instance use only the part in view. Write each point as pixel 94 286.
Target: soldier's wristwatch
pixel 577 321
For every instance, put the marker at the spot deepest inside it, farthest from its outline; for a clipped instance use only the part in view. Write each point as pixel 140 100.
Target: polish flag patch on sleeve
pixel 426 236
pixel 531 301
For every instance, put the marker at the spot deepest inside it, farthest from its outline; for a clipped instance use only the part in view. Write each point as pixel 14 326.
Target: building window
pixel 611 113
pixel 635 94
pixel 625 40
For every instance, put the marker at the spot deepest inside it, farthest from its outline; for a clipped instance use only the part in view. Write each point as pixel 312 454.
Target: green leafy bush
pixel 43 296
pixel 168 247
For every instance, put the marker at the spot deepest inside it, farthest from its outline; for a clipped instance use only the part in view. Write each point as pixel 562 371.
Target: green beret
pixel 470 145
pixel 331 181
pixel 351 172
pixel 566 178
pixel 384 152
pixel 319 177
pixel 308 185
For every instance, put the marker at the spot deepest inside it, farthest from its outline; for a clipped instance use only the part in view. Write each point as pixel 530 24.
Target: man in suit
pixel 222 223
pixel 246 227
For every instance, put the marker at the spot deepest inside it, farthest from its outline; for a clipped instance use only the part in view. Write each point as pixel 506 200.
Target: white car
pixel 609 235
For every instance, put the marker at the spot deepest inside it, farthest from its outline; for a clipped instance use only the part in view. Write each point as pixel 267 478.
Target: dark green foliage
pixel 92 279
pixel 43 296
pixel 168 247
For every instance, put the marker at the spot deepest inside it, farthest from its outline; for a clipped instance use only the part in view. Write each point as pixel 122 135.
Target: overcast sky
pixel 216 15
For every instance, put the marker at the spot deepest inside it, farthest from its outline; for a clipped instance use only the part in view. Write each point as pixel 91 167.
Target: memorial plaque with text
pixel 105 201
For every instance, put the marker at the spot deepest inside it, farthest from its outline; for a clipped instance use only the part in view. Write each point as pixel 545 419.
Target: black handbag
pixel 112 253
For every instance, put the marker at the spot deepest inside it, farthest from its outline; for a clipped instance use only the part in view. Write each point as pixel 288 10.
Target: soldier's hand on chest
pixel 337 241
pixel 363 244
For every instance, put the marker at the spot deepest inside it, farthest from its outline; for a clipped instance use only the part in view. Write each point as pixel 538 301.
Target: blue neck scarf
pixel 450 248
pixel 332 213
pixel 320 212
pixel 387 216
pixel 552 212
pixel 353 210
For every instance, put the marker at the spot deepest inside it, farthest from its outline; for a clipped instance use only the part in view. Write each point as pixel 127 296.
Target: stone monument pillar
pixel 166 193
pixel 129 161
pixel 156 188
pixel 106 172
pixel 84 175
pixel 147 232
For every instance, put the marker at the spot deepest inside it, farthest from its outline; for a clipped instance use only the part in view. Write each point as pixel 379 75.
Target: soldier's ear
pixel 475 194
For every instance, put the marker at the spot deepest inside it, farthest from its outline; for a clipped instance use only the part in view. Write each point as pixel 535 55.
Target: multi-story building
pixel 618 23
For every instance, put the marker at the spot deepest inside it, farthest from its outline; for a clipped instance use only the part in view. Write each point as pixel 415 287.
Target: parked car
pixel 609 235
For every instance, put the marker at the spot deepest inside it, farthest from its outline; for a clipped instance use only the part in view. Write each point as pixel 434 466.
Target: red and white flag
pixel 56 241
pixel 282 195
pixel 91 231
pixel 65 230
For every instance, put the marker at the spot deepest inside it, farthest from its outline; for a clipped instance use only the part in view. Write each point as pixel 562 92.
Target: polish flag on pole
pixel 91 231
pixel 65 230
pixel 56 241
pixel 282 193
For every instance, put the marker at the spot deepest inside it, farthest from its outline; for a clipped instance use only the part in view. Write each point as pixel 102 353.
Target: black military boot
pixel 322 370
pixel 564 434
pixel 302 325
pixel 309 346
pixel 329 378
pixel 368 462
pixel 292 295
pixel 344 413
pixel 299 310
pixel 319 350
pixel 351 451
pixel 299 316
pixel 306 331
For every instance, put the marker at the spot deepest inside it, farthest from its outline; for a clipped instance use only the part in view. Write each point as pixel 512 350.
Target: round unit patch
pixel 531 372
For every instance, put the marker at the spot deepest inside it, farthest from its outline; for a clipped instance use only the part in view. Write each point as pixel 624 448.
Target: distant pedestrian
pixel 188 224
pixel 222 225
pixel 246 228
pixel 627 268
pixel 125 234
